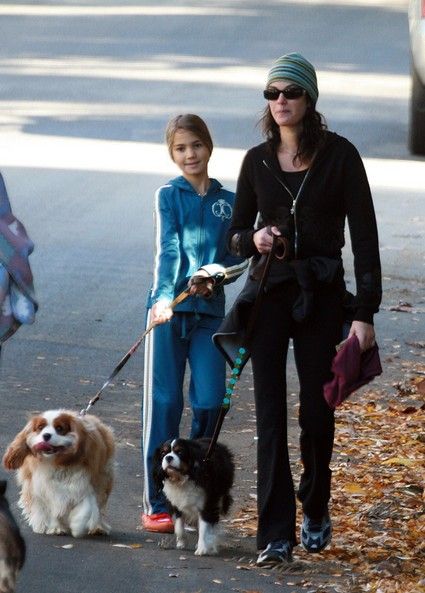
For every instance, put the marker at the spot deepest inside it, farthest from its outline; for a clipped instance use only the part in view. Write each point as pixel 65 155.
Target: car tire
pixel 417 115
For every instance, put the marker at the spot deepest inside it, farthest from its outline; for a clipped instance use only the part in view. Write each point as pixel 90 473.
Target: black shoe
pixel 316 535
pixel 277 552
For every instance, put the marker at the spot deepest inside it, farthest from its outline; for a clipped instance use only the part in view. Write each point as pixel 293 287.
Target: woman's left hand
pixel 263 238
pixel 365 333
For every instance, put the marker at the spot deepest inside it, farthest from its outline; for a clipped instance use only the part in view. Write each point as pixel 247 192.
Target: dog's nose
pixel 47 436
pixel 168 458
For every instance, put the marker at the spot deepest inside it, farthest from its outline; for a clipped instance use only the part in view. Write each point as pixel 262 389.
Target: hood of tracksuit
pixel 182 183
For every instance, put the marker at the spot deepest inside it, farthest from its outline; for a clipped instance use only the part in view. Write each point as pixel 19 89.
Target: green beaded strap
pixel 234 377
pixel 242 353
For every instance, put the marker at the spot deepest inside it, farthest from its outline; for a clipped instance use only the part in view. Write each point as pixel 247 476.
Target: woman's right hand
pixel 365 333
pixel 161 312
pixel 263 238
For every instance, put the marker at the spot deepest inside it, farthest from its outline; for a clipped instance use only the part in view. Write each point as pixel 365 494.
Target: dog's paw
pixel 42 528
pixel 101 529
pixel 181 544
pixel 55 530
pixel 206 550
pixel 38 529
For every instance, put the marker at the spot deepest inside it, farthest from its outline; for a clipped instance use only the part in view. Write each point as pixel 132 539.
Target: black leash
pixel 215 279
pixel 179 298
pixel 278 249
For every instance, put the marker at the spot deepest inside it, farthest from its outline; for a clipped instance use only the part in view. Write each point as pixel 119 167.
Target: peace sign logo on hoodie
pixel 222 209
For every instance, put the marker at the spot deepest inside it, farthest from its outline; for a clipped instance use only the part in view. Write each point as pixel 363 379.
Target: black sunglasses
pixel 291 92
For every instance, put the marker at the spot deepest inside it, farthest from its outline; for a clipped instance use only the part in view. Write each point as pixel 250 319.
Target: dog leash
pixel 278 250
pixel 216 278
pixel 179 298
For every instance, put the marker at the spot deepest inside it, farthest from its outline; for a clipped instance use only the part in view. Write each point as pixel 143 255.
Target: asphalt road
pixel 85 93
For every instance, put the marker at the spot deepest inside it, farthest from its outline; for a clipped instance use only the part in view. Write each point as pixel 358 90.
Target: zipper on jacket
pixel 202 242
pixel 199 255
pixel 294 200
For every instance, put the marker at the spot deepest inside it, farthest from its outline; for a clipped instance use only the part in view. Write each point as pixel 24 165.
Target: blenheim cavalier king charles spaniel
pixel 65 472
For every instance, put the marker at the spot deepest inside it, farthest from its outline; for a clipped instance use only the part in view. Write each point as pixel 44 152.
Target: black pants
pixel 314 343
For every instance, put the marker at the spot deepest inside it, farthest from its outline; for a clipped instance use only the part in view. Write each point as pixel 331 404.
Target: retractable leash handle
pixel 243 350
pixel 215 279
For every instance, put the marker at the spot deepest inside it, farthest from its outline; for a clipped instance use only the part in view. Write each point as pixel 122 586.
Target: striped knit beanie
pixel 295 68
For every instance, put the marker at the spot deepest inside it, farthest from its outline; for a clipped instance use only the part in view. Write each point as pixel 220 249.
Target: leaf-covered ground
pixel 377 497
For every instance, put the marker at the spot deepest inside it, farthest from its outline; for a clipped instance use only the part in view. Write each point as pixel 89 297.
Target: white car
pixel 417 101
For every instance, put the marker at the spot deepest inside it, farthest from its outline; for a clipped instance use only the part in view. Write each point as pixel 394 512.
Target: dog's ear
pixel 196 471
pixel 158 473
pixel 196 456
pixel 16 451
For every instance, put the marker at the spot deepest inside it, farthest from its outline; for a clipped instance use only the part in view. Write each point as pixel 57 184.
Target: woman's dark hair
pixel 191 123
pixel 312 134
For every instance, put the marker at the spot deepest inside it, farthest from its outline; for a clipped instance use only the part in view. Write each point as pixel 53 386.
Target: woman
pixel 304 181
pixel 192 217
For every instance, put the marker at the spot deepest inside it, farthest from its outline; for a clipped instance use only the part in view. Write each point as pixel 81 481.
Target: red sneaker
pixel 158 522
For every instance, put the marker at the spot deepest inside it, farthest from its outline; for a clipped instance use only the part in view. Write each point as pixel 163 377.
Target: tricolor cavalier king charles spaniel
pixel 198 491
pixel 65 472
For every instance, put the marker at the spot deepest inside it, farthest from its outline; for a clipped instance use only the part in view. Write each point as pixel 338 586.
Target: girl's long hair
pixel 192 123
pixel 312 134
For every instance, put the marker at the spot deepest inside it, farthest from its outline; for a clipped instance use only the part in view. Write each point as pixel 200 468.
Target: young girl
pixel 192 217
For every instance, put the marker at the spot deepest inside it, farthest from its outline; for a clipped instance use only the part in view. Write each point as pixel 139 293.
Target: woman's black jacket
pixel 336 188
